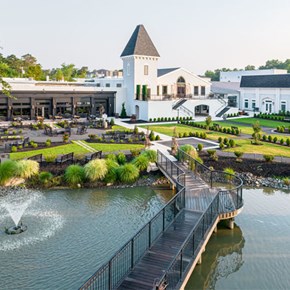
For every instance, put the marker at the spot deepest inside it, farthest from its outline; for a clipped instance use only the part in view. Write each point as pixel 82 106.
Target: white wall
pixel 262 95
pixel 191 80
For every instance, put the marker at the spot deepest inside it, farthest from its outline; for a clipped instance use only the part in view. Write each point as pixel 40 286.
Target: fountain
pixel 16 201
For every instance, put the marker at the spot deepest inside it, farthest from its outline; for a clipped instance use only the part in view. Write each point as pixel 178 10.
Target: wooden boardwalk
pixel 151 267
pixel 159 257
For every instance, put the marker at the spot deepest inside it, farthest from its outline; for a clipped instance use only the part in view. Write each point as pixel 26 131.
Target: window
pixel 283 106
pixel 195 90
pixel 253 104
pixel 246 104
pixel 107 85
pixel 164 90
pixel 98 84
pixel 157 90
pixel 119 85
pixel 202 91
pixel 146 70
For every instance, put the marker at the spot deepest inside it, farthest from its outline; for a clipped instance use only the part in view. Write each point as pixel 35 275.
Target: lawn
pixel 266 148
pixel 53 151
pixel 114 147
pixel 246 128
pixel 78 150
pixel 167 129
pixel 263 122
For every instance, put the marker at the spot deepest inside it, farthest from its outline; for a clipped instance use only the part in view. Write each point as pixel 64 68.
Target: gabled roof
pixel 266 81
pixel 164 71
pixel 140 43
pixel 225 87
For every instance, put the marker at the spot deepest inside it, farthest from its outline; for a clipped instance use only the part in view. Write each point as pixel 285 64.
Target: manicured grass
pixel 63 149
pixel 266 148
pixel 114 147
pixel 167 129
pixel 118 128
pixel 263 122
pixel 246 129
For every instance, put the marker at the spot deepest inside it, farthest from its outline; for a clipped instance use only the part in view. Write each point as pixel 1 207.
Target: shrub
pixel 7 171
pixel 111 156
pixel 282 141
pixel 27 168
pixel 189 149
pixel 275 139
pixel 157 138
pixel 92 136
pixel 288 142
pixel 123 111
pixel 199 146
pixel 34 145
pixel 232 143
pixel 141 162
pixel 14 149
pixel 112 174
pixel 239 155
pixel 185 134
pixel 135 152
pixel 74 175
pixel 229 172
pixel 220 140
pixel 48 143
pixel 264 138
pixel 128 173
pixel 226 141
pixel 222 146
pixel 151 136
pixel 96 169
pixel 150 154
pixel 44 177
pixel 50 158
pixel 112 122
pixel 121 158
pixel 286 181
pixel 270 138
pixel 65 138
pixel 212 154
pixel 268 158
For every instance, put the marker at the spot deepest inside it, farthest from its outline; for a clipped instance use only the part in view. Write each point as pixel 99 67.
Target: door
pixel 268 108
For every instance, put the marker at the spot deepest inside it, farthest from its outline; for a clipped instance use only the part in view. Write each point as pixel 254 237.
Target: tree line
pixel 27 66
pixel 270 64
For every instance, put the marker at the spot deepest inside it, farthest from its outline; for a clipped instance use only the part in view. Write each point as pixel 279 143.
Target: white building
pixel 266 93
pixel 236 76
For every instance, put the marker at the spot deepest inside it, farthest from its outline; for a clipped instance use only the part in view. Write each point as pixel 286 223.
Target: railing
pixel 190 248
pixel 231 196
pixel 186 111
pixel 225 201
pixel 110 275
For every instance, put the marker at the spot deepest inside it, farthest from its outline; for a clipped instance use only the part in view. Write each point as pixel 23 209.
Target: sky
pixel 198 35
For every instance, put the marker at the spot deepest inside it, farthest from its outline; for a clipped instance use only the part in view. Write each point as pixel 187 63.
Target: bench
pixel 38 158
pixel 65 158
pixel 287 119
pixel 95 155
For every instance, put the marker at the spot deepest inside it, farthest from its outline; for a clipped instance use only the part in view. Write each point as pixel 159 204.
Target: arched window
pixel 181 80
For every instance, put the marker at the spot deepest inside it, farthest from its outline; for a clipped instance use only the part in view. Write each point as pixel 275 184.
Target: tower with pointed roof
pixel 140 58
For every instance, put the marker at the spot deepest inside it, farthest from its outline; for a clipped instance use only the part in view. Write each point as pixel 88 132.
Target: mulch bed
pixel 256 167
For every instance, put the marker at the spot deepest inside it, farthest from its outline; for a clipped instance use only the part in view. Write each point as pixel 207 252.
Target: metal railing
pixel 111 274
pixel 231 194
pixel 190 248
pixel 226 200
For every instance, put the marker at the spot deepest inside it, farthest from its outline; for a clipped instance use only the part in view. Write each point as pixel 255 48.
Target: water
pixel 70 234
pixel 256 255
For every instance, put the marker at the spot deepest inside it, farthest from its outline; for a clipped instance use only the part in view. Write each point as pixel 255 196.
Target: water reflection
pixel 224 256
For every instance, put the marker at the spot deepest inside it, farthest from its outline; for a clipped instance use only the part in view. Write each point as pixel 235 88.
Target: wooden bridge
pixel 165 251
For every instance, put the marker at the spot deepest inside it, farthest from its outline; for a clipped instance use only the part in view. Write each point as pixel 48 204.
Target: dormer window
pixel 146 70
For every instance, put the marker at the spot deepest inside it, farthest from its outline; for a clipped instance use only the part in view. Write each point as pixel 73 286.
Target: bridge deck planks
pixel 161 254
pixel 151 267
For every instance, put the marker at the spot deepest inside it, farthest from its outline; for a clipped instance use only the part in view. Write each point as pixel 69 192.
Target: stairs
pixel 178 104
pixel 223 111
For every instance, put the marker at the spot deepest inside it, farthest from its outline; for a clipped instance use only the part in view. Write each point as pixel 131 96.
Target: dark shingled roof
pixel 140 43
pixel 164 71
pixel 266 81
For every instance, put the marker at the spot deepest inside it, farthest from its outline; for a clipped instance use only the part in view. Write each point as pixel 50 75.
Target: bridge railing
pixel 190 248
pixel 110 275
pixel 231 194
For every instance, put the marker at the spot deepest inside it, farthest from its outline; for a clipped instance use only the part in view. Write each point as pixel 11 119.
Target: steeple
pixel 140 43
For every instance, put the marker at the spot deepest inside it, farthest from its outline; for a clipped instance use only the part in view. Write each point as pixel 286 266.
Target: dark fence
pixel 231 190
pixel 190 248
pixel 111 274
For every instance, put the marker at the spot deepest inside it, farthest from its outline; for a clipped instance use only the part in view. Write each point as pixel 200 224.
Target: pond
pixel 71 233
pixel 256 254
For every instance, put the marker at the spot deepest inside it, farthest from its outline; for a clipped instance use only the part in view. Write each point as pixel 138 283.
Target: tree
pixel 123 111
pixel 250 67
pixel 208 121
pixel 256 135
